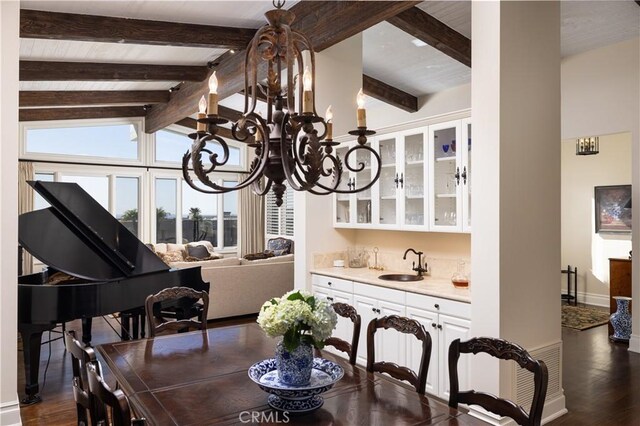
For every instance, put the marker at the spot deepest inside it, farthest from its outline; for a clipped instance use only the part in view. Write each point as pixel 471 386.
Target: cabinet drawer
pixel 444 306
pixel 380 293
pixel 331 282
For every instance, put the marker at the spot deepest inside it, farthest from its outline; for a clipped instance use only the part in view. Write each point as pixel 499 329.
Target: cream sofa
pixel 240 286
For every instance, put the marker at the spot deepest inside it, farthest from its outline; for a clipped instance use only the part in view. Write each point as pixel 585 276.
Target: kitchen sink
pixel 401 277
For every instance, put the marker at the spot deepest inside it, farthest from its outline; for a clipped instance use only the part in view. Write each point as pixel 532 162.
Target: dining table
pixel 201 378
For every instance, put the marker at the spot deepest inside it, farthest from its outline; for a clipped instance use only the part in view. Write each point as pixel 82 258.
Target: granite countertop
pixel 437 287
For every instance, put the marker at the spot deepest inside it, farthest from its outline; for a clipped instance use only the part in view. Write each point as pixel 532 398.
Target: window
pixel 279 219
pixel 105 141
pixel 96 186
pixel 166 201
pixel 230 204
pixel 199 216
pixel 171 146
pixel 126 202
pixel 39 202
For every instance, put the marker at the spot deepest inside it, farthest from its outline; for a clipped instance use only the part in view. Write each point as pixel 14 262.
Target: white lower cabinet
pixel 373 302
pixel 444 319
pixel 336 290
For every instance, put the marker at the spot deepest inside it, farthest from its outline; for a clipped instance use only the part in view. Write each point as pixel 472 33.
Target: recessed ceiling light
pixel 418 43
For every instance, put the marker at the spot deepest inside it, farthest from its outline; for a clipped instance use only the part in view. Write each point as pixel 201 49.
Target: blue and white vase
pixel 621 319
pixel 294 368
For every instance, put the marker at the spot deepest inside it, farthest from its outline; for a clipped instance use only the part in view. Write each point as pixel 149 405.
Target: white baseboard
pixel 10 413
pixel 594 299
pixel 634 343
pixel 553 409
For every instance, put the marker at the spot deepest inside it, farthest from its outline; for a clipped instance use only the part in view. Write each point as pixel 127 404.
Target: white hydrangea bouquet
pixel 300 317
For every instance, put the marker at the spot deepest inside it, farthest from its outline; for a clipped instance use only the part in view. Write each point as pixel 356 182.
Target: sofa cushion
pixel 160 247
pixel 275 259
pixel 175 247
pixel 204 243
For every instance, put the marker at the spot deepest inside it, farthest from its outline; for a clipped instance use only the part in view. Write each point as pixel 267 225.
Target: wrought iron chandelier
pixel 294 145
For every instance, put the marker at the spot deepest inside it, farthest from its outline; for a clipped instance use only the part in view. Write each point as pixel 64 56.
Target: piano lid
pixel 76 235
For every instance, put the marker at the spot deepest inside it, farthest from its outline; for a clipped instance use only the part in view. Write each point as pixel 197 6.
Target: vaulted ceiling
pixel 94 57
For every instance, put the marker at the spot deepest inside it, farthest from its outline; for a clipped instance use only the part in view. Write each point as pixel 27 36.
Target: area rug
pixel 580 318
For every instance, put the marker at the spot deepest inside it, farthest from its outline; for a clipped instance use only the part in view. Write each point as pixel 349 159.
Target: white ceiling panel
pixel 83 51
pixel 96 85
pixel 237 13
pixel 588 25
pixel 456 14
pixel 389 55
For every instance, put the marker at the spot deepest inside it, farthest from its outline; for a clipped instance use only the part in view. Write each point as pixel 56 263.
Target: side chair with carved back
pixel 407 326
pixel 351 349
pixel 501 349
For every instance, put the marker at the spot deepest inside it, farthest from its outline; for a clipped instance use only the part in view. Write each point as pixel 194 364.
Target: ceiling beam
pixel 105 29
pixel 425 27
pixel 324 22
pixel 44 98
pixel 389 94
pixel 44 114
pixel 87 71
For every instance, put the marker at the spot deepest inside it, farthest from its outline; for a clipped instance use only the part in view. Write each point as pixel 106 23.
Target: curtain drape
pixel 251 208
pixel 25 204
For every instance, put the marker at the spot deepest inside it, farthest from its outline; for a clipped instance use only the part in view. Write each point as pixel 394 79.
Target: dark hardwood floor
pixel 601 379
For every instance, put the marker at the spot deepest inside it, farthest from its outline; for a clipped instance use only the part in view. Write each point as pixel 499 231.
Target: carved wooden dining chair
pixel 503 350
pixel 351 349
pixel 81 357
pixel 407 326
pixel 114 399
pixel 158 323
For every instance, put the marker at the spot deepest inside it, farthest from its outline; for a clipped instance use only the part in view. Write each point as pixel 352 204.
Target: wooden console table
pixel 619 282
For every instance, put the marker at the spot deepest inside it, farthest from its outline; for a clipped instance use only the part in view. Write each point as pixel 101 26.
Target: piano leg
pixel 86 331
pixel 31 339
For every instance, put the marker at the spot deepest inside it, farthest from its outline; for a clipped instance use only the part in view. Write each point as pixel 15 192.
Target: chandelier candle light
pixel 293 145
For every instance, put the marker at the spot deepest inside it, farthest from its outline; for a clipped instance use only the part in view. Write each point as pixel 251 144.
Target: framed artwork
pixel 613 208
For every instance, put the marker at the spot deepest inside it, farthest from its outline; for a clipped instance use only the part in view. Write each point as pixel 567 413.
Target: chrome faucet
pixel 419 269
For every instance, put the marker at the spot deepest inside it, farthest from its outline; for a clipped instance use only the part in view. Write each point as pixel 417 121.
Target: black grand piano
pixel 108 269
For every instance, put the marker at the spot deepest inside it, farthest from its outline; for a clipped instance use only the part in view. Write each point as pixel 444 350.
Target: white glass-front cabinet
pixel 449 176
pixel 424 182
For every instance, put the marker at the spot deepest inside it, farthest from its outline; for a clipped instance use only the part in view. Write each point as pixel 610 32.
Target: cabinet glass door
pixel 414 179
pixel 363 178
pixel 466 176
pixel 389 181
pixel 445 175
pixel 343 201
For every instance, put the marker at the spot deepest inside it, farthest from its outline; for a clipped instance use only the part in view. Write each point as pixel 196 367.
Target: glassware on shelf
pixel 460 279
pixel 453 145
pixel 445 148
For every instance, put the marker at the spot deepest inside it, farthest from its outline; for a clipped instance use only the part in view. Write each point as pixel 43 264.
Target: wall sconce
pixel 587 146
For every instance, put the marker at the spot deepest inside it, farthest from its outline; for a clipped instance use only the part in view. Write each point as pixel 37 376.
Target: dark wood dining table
pixel 200 378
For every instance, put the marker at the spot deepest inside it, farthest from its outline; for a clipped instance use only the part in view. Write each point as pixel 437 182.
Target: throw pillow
pixel 199 252
pixel 257 256
pixel 197 259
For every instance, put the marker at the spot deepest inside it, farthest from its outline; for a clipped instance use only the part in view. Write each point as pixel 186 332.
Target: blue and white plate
pixel 324 375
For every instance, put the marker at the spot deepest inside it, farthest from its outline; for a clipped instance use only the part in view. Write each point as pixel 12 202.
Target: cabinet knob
pixel 439 326
pixel 329 283
pixel 330 299
pixel 457 175
pixel 433 324
pixel 436 306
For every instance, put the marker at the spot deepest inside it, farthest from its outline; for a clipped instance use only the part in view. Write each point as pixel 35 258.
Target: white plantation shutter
pixel 279 219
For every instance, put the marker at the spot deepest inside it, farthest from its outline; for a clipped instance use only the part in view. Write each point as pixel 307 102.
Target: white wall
pixel 581 246
pixel 515 246
pixel 448 101
pixel 600 96
pixel 9 46
pixel 338 79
